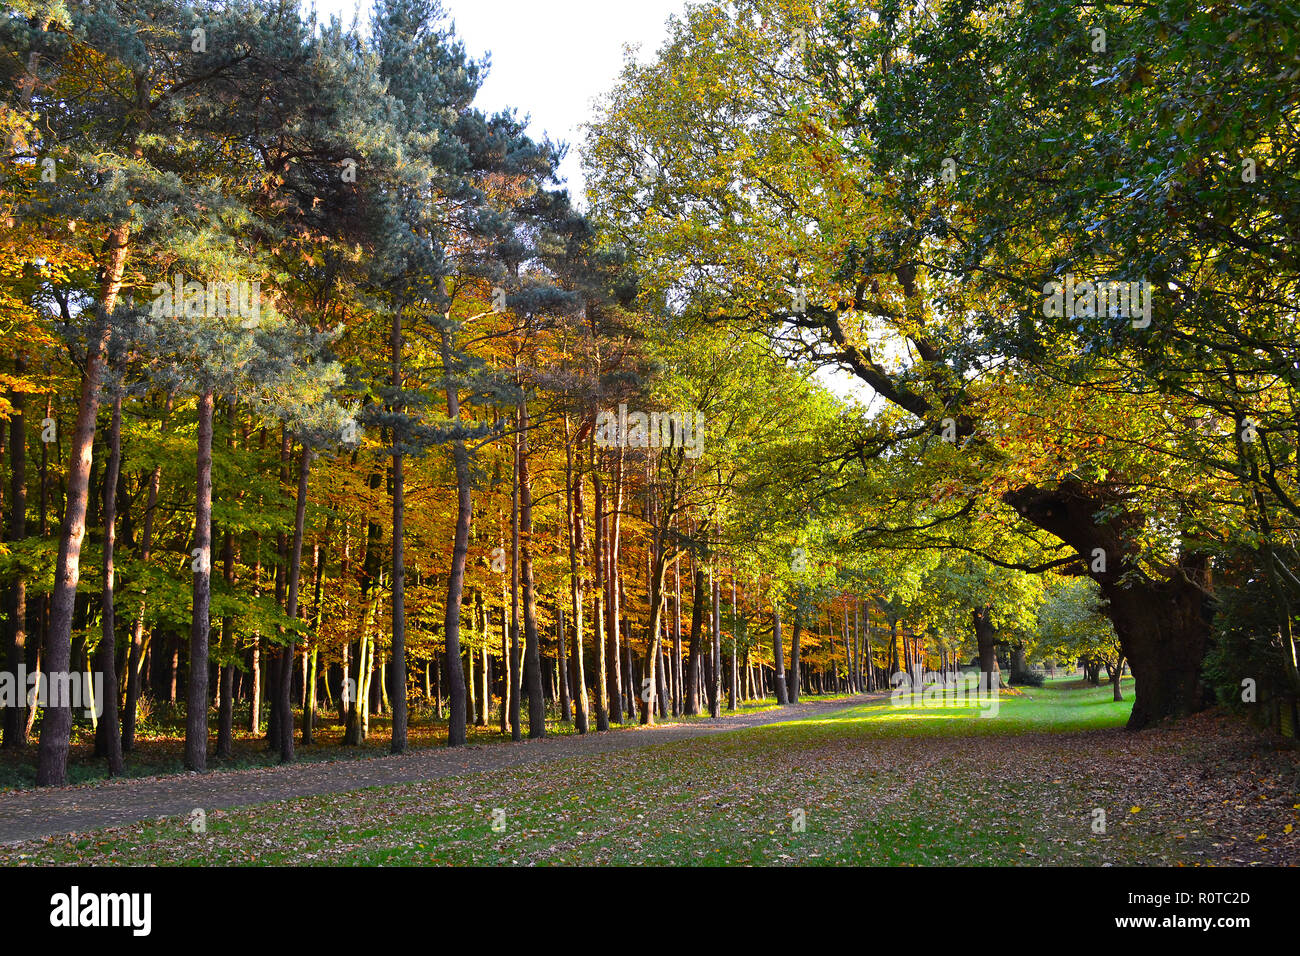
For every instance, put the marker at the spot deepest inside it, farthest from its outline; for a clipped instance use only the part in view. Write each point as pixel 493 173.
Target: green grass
pixel 876 784
pixel 1061 705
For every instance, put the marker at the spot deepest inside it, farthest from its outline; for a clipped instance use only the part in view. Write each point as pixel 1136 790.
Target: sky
pixel 550 58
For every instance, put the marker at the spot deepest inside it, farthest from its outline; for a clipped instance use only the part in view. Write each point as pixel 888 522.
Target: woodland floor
pixel 875 784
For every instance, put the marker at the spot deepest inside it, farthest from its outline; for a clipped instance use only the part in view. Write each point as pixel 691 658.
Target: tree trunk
pixel 291 608
pixel 399 556
pixel 15 717
pixel 1163 624
pixel 612 609
pixel 609 691
pixel 648 688
pixel 309 696
pixel 135 658
pixel 778 655
pixel 561 659
pixel 1164 629
pixel 226 708
pixel 516 729
pixel 792 678
pixel 735 649
pixel 577 541
pixel 359 707
pixel 532 640
pixel 485 670
pixel 695 648
pixel 56 729
pixel 196 697
pixel 715 685
pixel 226 704
pixel 108 738
pixel 677 689
pixel 986 641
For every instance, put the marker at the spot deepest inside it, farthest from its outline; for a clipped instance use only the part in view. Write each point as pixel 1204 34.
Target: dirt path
pixel 30 815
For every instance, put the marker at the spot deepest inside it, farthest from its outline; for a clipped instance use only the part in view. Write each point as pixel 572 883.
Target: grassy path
pixel 871 783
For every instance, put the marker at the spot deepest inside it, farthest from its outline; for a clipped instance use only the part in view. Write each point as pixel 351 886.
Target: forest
pixel 892 342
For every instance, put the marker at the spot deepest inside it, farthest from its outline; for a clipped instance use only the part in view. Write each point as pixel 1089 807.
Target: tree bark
pixel 108 733
pixel 695 646
pixel 715 685
pixel 456 716
pixel 792 677
pixel 562 660
pixel 1163 624
pixel 15 717
pixel 196 697
pixel 56 729
pixel 532 641
pixel 577 540
pixel 398 744
pixel 986 641
pixel 291 608
pixel 609 691
pixel 612 609
pixel 778 654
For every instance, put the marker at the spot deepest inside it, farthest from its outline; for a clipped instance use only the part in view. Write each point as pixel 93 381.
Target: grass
pixel 874 784
pixel 1061 705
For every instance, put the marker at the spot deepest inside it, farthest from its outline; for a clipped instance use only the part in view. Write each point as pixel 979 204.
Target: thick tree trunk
pixel 1164 629
pixel 792 678
pixel 986 641
pixel 1163 624
pixel 56 729
pixel 855 650
pixel 778 654
pixel 1017 662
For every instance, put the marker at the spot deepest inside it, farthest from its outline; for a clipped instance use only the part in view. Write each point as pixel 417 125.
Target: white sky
pixel 550 58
